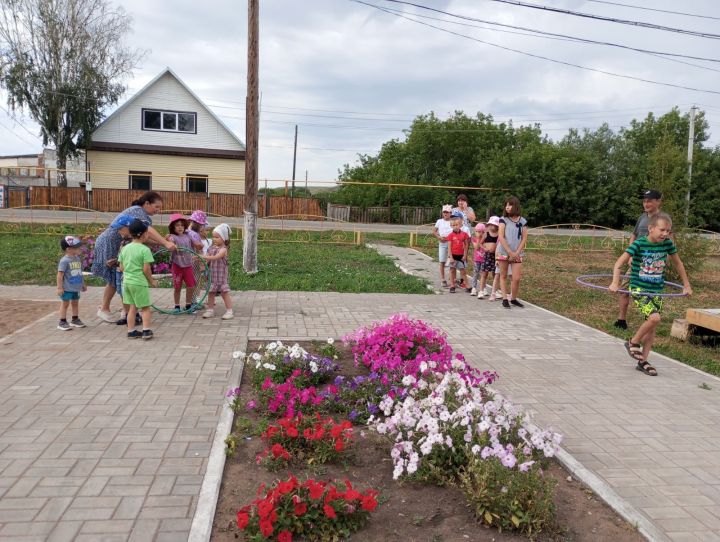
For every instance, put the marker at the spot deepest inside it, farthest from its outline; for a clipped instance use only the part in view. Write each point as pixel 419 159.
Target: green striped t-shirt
pixel 647 267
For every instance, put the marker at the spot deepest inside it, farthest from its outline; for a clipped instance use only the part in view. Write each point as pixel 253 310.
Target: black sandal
pixel 634 350
pixel 644 367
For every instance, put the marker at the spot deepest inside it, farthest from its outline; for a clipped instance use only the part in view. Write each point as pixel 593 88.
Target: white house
pixel 166 138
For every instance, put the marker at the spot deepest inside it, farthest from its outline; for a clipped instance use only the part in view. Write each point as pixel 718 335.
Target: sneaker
pixel 105 316
pixel 444 284
pixel 177 310
pixel 122 321
pixel 498 295
pixel 76 322
pixel 492 296
pixel 452 289
pixel 473 291
pixel 191 308
pixel 228 315
pixel 209 313
pixel 134 334
pixel 64 326
pixel 147 334
pixel 622 324
pixel 516 303
pixel 481 294
pixel 506 303
pixel 468 290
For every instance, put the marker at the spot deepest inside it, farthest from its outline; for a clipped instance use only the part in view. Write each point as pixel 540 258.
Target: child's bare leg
pixel 623 304
pixel 515 280
pixel 63 309
pixel 503 278
pixel 75 304
pixel 228 301
pixel 211 300
pixel 146 318
pixel 452 276
pixel 176 295
pixel 442 270
pixel 483 280
pixel 131 312
pixel 189 294
pixel 648 327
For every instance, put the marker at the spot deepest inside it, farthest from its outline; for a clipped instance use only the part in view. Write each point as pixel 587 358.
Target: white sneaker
pixel 473 291
pixel 209 313
pixel 498 295
pixel 106 316
pixel 228 315
pixel 481 294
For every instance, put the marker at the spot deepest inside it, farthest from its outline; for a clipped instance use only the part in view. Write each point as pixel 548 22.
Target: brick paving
pixel 105 439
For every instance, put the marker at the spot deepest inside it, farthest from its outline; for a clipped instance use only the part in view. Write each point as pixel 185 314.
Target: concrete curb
pixel 202 523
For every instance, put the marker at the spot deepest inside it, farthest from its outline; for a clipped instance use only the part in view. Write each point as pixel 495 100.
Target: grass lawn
pixel 295 266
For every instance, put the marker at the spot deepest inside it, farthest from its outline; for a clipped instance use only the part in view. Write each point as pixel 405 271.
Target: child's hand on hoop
pixel 687 290
pixel 614 287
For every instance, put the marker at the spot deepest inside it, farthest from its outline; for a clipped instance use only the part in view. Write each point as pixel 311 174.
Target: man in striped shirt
pixel 647 257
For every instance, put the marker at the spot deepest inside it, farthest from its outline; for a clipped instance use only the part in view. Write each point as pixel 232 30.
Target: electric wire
pixel 684 14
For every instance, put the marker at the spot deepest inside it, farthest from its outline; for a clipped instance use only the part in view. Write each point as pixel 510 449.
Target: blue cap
pixel 122 221
pixel 456 214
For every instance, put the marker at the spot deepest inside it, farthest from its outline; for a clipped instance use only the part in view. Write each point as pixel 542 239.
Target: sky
pixel 352 77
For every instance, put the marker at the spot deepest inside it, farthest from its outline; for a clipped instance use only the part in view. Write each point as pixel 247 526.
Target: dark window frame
pixel 177 120
pixel 189 176
pixel 132 174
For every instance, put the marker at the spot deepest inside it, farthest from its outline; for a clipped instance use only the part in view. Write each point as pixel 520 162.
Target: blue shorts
pixel 70 296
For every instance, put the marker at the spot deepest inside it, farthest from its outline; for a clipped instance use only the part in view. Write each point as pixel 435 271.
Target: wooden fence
pixel 115 200
pixel 402 215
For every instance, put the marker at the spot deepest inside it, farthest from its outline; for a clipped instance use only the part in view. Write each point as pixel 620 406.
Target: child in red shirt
pixel 459 242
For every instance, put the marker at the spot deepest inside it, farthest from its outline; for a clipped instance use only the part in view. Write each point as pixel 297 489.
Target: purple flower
pixel 251 404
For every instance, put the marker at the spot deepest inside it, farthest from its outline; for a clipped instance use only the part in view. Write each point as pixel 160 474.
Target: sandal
pixel 634 350
pixel 644 367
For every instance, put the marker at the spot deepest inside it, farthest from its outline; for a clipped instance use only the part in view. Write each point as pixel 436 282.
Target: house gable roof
pixel 149 85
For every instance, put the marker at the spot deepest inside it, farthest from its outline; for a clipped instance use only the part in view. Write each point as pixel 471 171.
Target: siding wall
pixel 110 170
pixel 166 94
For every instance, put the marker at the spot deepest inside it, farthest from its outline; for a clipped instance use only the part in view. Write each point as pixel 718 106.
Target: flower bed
pixel 433 443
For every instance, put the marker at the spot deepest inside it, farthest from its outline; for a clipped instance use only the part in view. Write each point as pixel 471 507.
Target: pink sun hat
pixel 199 217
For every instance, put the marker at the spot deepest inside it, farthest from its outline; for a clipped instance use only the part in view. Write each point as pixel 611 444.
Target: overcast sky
pixel 351 76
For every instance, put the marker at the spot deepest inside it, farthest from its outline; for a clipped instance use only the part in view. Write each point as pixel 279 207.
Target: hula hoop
pixel 582 280
pixel 201 272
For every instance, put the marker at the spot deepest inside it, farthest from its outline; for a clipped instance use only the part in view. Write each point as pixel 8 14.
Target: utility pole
pixel 292 190
pixel 251 140
pixel 691 144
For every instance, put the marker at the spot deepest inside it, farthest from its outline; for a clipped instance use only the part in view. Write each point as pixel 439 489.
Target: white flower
pixel 475 449
pixel 238 354
pixel 256 356
pixel 313 367
pixel 408 380
pixel 330 340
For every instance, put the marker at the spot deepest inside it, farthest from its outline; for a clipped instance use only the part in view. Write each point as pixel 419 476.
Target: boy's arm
pixel 148 274
pixel 677 263
pixel 121 267
pixel 467 248
pixel 617 271
pixel 60 275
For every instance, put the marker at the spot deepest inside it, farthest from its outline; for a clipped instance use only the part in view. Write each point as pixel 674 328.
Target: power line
pixel 642 24
pixel 35 136
pixel 533 55
pixel 654 9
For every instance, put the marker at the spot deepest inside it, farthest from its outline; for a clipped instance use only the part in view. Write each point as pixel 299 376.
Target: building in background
pixel 23 170
pixel 166 138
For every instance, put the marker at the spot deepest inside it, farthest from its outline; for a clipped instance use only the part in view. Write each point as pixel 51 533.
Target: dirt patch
pixel 23 313
pixel 409 512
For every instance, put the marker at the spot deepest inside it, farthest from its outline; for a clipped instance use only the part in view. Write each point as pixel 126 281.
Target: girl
pixel 182 268
pixel 478 255
pixel 512 235
pixel 197 222
pixel 217 256
pixel 489 244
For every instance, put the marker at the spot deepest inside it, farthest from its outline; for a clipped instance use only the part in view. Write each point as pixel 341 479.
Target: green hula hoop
pixel 201 272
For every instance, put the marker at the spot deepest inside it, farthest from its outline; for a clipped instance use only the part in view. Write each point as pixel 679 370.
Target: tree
pixel 63 61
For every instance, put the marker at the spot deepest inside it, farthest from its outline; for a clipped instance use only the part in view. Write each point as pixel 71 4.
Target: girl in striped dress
pixel 217 258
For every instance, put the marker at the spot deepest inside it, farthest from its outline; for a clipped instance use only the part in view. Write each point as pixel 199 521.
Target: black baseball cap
pixel 652 194
pixel 70 241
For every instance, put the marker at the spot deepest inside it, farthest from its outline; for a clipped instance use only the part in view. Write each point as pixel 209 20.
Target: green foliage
pixel 693 251
pixel 508 498
pixel 587 176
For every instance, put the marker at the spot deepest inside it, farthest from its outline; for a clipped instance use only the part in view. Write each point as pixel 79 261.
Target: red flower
pixel 369 503
pixel 339 445
pixel 316 490
pixel 265 508
pixel 329 511
pixel 278 451
pixel 300 509
pixel 352 495
pixel 266 527
pixel 242 519
pixel 308 433
pixel 287 487
pixel 285 536
pixel 292 431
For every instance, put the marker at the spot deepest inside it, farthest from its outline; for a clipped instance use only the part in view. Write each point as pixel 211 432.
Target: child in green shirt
pixel 134 260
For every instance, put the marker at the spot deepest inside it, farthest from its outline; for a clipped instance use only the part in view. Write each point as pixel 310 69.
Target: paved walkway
pixel 105 439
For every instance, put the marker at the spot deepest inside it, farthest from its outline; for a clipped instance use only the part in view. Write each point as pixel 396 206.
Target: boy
pixel 647 256
pixel 459 241
pixel 70 282
pixel 443 226
pixel 135 260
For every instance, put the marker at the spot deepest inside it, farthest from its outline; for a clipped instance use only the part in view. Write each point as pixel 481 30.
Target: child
pixel 443 227
pixel 489 245
pixel 647 256
pixel 198 222
pixel 182 268
pixel 135 260
pixel 459 242
pixel 70 282
pixel 463 272
pixel 217 255
pixel 512 235
pixel 478 255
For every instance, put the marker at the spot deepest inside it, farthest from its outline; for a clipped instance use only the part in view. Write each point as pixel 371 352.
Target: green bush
pixel 509 498
pixel 693 251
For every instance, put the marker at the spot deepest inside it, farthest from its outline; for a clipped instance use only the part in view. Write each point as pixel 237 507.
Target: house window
pixel 169 121
pixel 197 183
pixel 140 180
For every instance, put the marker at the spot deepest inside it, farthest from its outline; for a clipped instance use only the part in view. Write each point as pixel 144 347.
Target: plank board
pixel 707 318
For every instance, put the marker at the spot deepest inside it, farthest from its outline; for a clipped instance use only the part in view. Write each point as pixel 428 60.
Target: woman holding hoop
pixel 107 246
pixel 647 257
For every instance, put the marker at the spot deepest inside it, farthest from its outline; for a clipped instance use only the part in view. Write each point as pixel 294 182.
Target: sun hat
pixel 494 220
pixel 199 217
pixel 174 218
pixel 447 208
pixel 480 227
pixel 652 194
pixel 223 230
pixel 121 221
pixel 70 241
